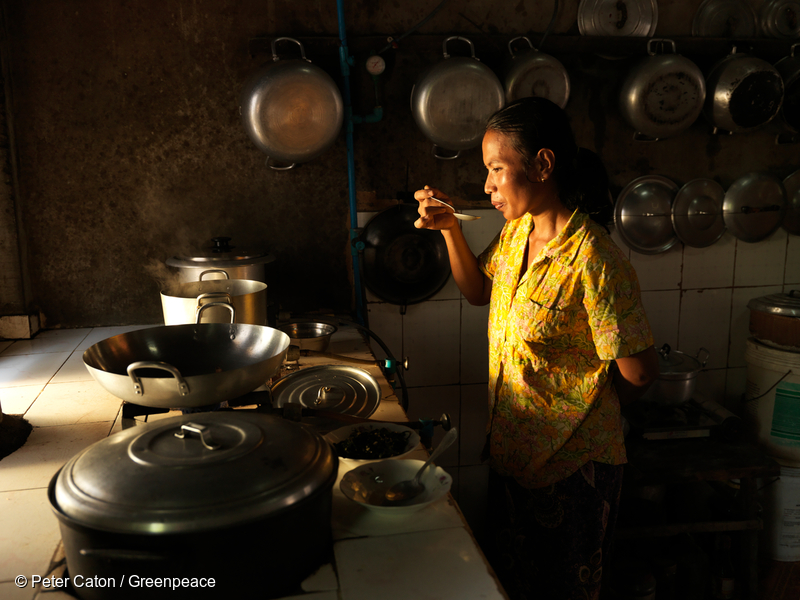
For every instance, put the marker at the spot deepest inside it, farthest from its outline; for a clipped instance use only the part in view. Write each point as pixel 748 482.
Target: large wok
pixel 186 366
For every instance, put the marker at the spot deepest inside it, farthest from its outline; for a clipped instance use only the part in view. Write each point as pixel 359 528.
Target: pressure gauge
pixel 375 65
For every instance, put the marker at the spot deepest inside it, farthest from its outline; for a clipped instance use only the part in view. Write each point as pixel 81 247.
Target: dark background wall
pixel 129 146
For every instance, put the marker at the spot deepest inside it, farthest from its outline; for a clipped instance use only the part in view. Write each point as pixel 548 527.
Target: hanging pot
pixel 534 73
pixel 402 264
pixel 677 377
pixel 743 93
pixel 177 497
pixel 292 110
pixel 453 99
pixel 754 206
pixel 775 320
pixel 663 94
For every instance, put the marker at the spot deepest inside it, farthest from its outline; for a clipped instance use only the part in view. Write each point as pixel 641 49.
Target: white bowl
pixel 341 434
pixel 367 484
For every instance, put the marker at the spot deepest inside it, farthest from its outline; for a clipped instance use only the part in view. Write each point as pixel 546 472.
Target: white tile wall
pixel 792 274
pixel 709 267
pixel 705 323
pixel 432 341
pixel 663 312
pixel 474 343
pixel 761 263
pixel 659 271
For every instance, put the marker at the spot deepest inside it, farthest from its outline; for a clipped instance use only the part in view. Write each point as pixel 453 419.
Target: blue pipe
pixel 344 63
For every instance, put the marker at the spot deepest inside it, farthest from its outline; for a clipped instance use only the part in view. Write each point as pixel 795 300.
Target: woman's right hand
pixel 432 214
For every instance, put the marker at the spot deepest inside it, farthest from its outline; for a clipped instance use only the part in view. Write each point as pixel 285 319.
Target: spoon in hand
pixel 456 214
pixel 411 488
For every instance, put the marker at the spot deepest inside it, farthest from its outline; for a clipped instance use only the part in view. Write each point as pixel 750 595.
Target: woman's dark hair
pixel 535 123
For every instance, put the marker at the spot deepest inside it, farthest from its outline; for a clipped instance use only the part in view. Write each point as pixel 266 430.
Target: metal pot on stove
pixel 677 376
pixel 240 498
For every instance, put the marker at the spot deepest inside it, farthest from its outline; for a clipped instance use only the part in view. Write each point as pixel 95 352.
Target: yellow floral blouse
pixel 552 336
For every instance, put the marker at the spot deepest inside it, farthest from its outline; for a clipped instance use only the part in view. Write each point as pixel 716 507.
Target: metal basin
pixel 185 366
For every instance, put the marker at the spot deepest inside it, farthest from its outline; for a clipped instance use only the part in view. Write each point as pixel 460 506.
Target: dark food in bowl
pixel 376 443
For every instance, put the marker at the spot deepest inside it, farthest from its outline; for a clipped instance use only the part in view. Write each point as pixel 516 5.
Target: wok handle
pixel 202 432
pixel 215 271
pixel 274 168
pixel 200 310
pixel 275 56
pixel 183 387
pixel 705 354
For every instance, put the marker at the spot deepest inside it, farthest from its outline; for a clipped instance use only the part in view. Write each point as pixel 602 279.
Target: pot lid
pixel 724 18
pixel 618 18
pixel 754 206
pixel 779 19
pixel 791 222
pixel 786 305
pixel 219 253
pixel 193 473
pixel 697 213
pixel 642 214
pixel 335 388
pixel 673 364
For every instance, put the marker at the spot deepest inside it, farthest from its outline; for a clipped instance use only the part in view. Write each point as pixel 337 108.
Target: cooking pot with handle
pixel 453 99
pixel 239 497
pixel 744 92
pixel 663 94
pixel 534 73
pixel 677 376
pixel 291 109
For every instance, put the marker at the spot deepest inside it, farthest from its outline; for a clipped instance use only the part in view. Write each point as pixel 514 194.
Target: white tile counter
pixel 429 554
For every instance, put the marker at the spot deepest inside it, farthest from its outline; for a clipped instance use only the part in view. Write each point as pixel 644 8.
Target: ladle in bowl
pixel 456 214
pixel 403 491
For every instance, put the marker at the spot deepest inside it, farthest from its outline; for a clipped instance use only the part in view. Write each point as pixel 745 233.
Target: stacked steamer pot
pixel 221 260
pixel 772 395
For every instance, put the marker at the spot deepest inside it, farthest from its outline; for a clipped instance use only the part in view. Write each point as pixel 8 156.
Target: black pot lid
pixel 697 213
pixel 754 206
pixel 228 468
pixel 642 214
pixel 335 388
pixel 402 264
pixel 786 305
pixel 791 222
pixel 220 253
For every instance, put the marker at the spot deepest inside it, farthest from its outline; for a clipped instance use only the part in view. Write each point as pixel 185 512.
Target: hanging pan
pixel 402 264
pixel 291 109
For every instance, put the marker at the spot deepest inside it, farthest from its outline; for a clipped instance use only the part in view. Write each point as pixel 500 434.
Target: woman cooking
pixel 569 343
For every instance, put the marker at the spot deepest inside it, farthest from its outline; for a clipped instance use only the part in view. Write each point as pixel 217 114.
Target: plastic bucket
pixel 780 539
pixel 772 401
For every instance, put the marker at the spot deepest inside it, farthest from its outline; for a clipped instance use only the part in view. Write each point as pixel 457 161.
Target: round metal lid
pixel 336 388
pixel 725 18
pixel 779 18
pixel 617 18
pixel 220 254
pixel 642 214
pixel 697 213
pixel 193 473
pixel 754 206
pixel 673 364
pixel 791 222
pixel 786 305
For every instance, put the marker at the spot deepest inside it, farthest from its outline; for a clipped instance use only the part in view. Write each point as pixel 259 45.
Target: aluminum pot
pixel 186 366
pixel 663 94
pixel 309 335
pixel 743 93
pixel 182 303
pixel 291 109
pixel 453 99
pixel 678 376
pixel 240 497
pixel 789 69
pixel 534 73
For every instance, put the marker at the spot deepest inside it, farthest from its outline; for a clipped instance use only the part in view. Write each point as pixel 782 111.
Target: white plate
pixel 341 434
pixel 367 484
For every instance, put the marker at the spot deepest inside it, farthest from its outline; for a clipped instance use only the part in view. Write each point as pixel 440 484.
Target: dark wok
pixel 185 366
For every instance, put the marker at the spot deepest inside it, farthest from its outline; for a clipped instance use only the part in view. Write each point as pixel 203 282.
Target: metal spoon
pixel 406 490
pixel 456 214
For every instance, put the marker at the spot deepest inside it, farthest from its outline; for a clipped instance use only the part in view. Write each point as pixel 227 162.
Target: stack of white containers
pixel 772 406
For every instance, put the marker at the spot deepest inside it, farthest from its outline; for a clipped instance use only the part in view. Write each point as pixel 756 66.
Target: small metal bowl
pixel 309 335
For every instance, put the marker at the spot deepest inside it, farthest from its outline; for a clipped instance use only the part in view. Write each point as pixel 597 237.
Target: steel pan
pixel 186 366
